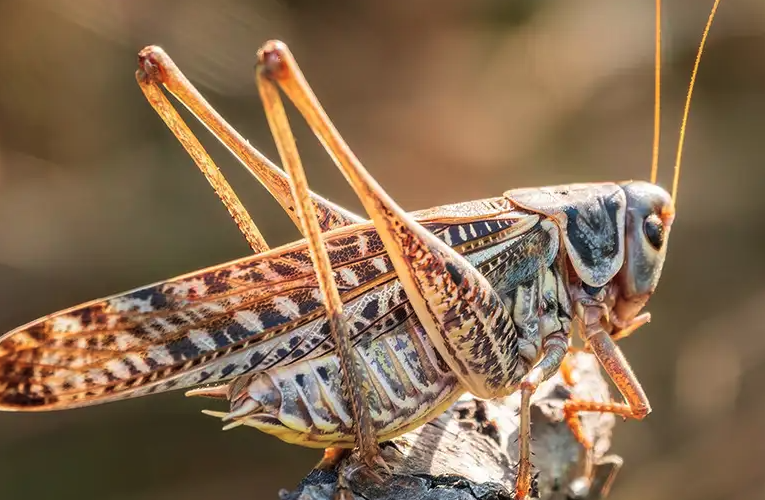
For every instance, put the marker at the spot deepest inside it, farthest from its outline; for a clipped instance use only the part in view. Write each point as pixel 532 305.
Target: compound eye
pixel 653 227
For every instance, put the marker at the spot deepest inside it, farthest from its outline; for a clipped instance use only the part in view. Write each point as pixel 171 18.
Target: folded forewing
pixel 251 314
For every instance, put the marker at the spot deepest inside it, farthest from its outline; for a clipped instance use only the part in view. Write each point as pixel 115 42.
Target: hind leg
pixel 355 378
pixel 157 69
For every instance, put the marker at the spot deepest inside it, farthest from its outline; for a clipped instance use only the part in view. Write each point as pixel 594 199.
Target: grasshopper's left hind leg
pixel 157 69
pixel 191 144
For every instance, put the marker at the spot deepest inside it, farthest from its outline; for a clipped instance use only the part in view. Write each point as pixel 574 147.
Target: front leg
pixel 619 370
pixel 617 367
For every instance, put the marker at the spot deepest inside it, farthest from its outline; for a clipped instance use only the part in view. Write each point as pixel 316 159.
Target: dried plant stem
pixel 469 451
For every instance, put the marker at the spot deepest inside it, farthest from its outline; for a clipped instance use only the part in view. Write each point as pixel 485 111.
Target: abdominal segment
pixel 304 403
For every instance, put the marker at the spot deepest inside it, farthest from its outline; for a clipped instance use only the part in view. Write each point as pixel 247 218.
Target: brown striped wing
pixel 247 315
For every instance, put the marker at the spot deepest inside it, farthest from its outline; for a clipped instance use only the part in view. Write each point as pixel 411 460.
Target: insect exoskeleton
pixel 304 403
pixel 365 328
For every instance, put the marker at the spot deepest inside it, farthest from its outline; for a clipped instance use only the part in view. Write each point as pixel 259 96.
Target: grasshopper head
pixel 649 216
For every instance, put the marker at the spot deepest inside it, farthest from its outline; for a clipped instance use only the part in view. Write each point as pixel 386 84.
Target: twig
pixel 469 452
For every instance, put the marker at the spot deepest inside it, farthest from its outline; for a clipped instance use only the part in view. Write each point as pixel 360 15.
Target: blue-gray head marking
pixel 649 217
pixel 594 235
pixel 612 232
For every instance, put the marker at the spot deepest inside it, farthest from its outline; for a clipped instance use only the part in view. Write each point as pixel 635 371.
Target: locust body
pixel 302 401
pixel 364 329
pixel 260 320
pixel 258 313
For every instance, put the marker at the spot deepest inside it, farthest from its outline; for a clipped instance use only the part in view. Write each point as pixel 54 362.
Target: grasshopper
pixel 365 329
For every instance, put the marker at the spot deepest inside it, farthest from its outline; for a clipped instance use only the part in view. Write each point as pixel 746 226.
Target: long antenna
pixel 686 111
pixel 657 98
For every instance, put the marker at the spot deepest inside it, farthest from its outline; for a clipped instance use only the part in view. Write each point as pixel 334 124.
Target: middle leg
pixel 554 349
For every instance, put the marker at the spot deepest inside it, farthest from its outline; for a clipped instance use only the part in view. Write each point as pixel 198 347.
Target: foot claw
pixel 369 472
pixel 367 466
pixel 380 461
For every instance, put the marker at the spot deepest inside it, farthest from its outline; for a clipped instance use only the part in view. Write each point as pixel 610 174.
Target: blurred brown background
pixel 444 101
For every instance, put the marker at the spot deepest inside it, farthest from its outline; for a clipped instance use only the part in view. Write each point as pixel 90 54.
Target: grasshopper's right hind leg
pixel 465 318
pixel 356 381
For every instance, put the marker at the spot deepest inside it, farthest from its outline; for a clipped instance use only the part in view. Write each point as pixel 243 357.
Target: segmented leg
pixel 339 458
pixel 619 370
pixel 640 320
pixel 581 485
pixel 567 368
pixel 154 64
pixel 156 67
pixel 355 378
pixel 464 317
pixel 554 351
pixel 455 303
pixel 332 458
pixel 146 77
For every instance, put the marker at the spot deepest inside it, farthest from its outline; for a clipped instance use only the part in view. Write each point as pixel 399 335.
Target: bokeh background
pixel 444 101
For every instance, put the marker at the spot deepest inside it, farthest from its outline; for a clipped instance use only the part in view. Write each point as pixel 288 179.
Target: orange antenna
pixel 684 123
pixel 657 98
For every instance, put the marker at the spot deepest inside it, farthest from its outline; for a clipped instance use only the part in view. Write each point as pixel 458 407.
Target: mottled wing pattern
pixel 247 315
